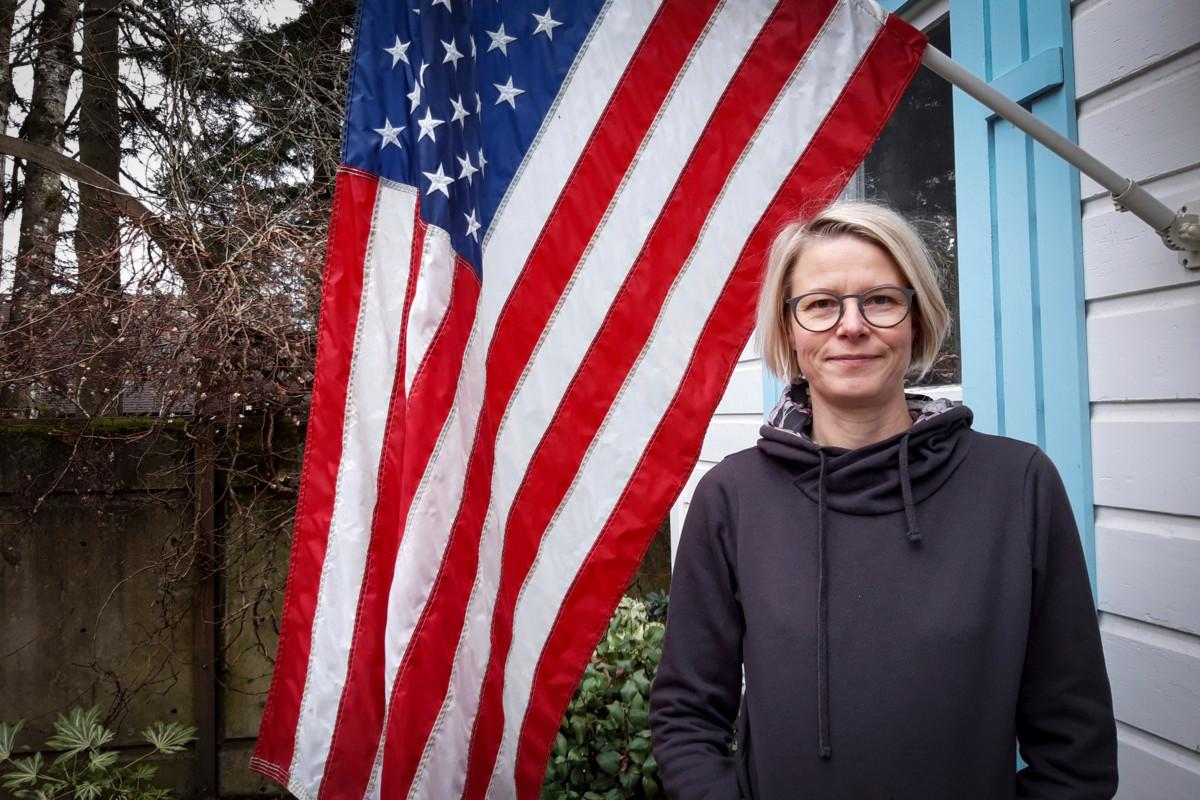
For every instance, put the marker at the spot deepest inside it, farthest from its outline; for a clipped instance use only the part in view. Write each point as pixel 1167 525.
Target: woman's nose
pixel 852 322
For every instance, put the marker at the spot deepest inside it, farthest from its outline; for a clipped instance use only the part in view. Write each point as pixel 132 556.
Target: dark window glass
pixel 911 168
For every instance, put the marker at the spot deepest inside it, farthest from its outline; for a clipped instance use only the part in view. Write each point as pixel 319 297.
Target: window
pixel 911 168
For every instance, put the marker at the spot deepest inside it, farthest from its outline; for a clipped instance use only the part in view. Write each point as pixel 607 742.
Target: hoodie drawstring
pixel 910 513
pixel 824 750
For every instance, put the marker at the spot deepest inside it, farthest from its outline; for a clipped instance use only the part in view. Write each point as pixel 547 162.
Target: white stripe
pixel 581 312
pixel 431 298
pixel 511 236
pixel 649 389
pixel 368 397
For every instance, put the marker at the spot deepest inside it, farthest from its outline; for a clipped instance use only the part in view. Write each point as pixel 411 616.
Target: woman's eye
pixel 880 300
pixel 820 304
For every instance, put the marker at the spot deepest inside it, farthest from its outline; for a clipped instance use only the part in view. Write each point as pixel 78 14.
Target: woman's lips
pixel 853 360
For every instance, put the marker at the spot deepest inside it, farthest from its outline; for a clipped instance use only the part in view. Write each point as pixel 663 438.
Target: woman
pixel 906 597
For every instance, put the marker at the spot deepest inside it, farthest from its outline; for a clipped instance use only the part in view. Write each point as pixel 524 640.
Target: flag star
pixel 478 104
pixel 427 125
pixel 474 53
pixel 460 111
pixel 472 225
pixel 500 40
pixel 482 162
pixel 508 93
pixel 421 73
pixel 398 52
pixel 452 54
pixel 438 181
pixel 389 133
pixel 445 3
pixel 545 24
pixel 468 169
pixel 414 98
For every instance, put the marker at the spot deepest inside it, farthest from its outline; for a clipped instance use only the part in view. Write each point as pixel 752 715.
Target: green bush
pixel 602 751
pixel 83 769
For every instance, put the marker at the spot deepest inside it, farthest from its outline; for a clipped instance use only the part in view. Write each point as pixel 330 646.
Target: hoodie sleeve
pixel 696 692
pixel 1065 721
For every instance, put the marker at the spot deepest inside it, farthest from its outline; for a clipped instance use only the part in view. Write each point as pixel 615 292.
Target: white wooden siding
pixel 1138 553
pixel 1137 66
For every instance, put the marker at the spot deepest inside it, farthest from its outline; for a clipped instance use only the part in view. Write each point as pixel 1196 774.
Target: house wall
pixel 1137 68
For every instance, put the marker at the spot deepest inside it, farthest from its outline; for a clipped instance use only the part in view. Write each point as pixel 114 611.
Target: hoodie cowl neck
pixel 867 481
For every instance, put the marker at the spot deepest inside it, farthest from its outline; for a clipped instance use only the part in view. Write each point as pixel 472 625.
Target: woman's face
pixel 853 364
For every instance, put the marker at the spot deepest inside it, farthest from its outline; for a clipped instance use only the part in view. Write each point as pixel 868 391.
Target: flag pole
pixel 1179 230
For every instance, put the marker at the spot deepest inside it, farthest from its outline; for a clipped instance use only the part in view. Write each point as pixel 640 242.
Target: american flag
pixel 546 243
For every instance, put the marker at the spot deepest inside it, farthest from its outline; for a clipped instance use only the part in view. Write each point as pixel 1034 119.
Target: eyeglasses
pixel 881 307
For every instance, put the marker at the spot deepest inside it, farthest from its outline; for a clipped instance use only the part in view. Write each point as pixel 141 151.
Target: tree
pixel 97 237
pixel 43 200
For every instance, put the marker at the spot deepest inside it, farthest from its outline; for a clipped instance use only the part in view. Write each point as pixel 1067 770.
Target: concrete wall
pixel 1137 68
pixel 85 530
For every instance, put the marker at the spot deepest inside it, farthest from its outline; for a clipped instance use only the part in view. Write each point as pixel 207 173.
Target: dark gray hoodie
pixel 904 613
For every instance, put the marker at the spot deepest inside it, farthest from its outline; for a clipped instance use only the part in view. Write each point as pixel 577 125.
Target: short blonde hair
pixel 869 222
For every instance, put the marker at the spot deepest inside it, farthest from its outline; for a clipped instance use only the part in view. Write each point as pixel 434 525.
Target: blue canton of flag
pixel 447 97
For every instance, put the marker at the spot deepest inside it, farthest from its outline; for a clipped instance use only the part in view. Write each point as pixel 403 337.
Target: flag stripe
pixel 360 713
pixel 419 688
pixel 747 96
pixel 434 284
pixel 341 291
pixel 873 91
pixel 373 368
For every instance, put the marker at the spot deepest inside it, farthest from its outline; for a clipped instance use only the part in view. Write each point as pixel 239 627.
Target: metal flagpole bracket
pixel 1180 231
pixel 1184 235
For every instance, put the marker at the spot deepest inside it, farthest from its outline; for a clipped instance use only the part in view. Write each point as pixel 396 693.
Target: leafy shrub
pixel 656 606
pixel 83 770
pixel 602 751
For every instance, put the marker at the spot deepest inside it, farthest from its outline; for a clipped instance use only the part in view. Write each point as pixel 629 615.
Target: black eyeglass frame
pixel 909 294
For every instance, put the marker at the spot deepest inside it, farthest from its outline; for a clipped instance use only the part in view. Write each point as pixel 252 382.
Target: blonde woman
pixel 906 597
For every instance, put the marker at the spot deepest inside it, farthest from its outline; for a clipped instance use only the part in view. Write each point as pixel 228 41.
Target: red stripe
pixel 421 684
pixel 768 65
pixel 349 230
pixel 359 720
pixel 840 143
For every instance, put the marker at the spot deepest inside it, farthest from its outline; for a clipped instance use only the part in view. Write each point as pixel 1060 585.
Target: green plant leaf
pixel 8 737
pixel 87 790
pixel 169 737
pixel 650 786
pixel 579 728
pixel 24 772
pixel 101 760
pixel 78 731
pixel 609 761
pixel 639 717
pixel 142 773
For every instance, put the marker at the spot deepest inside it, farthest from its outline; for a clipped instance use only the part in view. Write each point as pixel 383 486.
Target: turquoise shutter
pixel 1020 256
